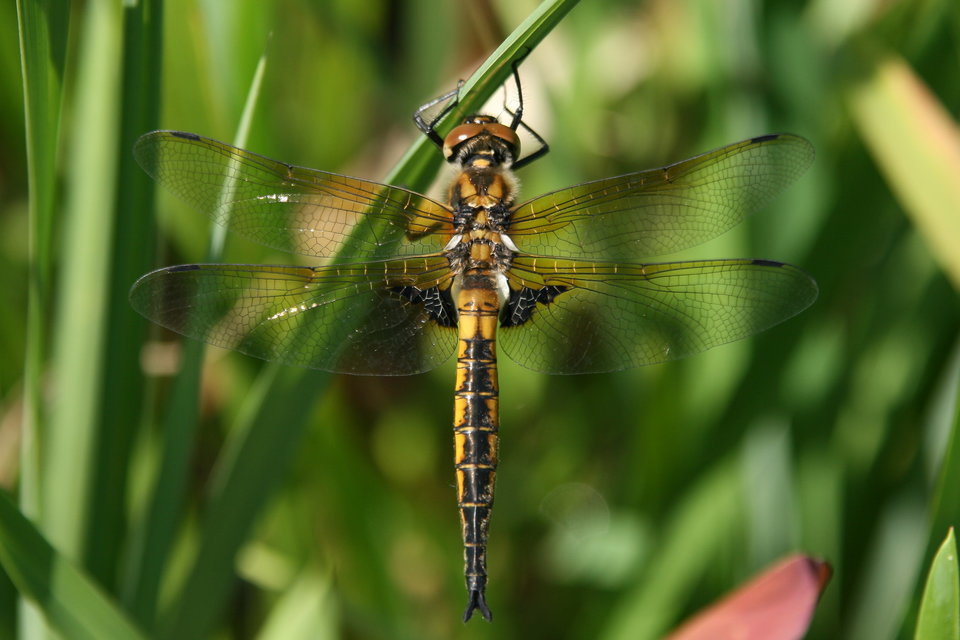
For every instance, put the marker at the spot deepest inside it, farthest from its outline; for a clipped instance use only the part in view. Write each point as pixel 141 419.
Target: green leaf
pixel 940 608
pixel 71 602
pixel 79 330
pixel 42 29
pixel 133 240
pixel 945 450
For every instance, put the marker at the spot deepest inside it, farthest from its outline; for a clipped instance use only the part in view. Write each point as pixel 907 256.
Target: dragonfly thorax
pixel 480 251
pixel 481 196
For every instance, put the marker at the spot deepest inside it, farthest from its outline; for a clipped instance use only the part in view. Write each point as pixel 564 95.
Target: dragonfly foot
pixel 477 601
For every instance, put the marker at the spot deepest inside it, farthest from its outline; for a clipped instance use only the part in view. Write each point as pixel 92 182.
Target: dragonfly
pixel 561 282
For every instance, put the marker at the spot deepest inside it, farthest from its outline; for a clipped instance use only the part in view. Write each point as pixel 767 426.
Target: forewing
pixel 293 208
pixel 610 317
pixel 344 319
pixel 660 211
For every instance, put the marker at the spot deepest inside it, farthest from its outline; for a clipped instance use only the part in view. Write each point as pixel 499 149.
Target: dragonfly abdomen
pixel 475 424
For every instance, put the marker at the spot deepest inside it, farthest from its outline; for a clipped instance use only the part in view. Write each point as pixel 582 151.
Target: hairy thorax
pixel 481 196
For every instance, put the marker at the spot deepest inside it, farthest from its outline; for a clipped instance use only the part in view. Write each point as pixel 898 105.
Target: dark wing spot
pixel 523 301
pixel 438 304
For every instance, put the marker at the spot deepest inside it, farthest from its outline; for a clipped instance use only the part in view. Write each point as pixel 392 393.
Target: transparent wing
pixel 292 208
pixel 359 319
pixel 660 211
pixel 614 316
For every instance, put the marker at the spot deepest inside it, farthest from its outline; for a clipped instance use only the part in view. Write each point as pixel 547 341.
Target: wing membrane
pixel 616 316
pixel 291 208
pixel 660 211
pixel 343 319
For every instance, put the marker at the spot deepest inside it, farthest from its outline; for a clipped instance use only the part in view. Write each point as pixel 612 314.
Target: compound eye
pixel 476 126
pixel 459 135
pixel 506 134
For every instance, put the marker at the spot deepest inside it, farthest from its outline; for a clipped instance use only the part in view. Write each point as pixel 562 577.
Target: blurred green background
pixel 253 501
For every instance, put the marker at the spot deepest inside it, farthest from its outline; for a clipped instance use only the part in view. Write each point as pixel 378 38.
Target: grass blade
pixel 917 146
pixel 305 611
pixel 42 71
pixel 42 30
pixel 254 459
pixel 944 438
pixel 705 518
pixel 133 244
pixel 72 603
pixel 940 607
pixel 154 535
pixel 79 333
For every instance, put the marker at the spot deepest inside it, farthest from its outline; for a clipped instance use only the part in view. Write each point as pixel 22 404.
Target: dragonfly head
pixel 481 135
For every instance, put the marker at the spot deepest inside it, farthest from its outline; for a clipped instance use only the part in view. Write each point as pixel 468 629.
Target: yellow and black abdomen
pixel 476 419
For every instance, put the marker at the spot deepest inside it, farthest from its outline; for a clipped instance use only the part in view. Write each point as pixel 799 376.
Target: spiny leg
pixel 428 128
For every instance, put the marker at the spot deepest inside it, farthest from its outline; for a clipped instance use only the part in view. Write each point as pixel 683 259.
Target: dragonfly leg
pixel 429 127
pixel 517 121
